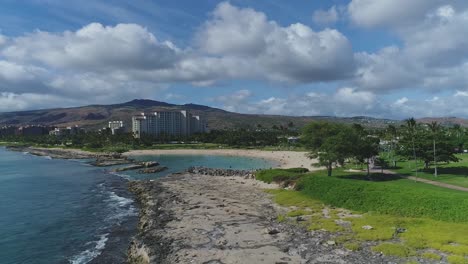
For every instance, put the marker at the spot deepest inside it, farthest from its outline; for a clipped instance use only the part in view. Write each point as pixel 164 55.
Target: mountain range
pixel 97 116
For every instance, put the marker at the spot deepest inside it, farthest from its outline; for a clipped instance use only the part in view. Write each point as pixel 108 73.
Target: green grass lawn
pixel 433 219
pixel 455 173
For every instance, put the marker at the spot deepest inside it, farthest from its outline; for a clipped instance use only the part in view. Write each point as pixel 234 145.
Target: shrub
pixel 280 175
pixel 353 246
pixel 297 170
pixel 281 218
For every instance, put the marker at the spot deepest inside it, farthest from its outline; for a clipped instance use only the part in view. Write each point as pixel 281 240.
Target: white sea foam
pixel 120 175
pixel 121 201
pixel 89 254
pixel 121 206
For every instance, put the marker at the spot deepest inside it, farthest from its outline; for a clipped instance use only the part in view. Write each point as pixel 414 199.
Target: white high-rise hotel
pixel 176 123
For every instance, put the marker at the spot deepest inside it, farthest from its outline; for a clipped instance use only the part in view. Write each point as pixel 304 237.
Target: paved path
pixel 440 184
pixel 436 183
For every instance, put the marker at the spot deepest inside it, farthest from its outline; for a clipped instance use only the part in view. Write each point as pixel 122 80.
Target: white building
pixel 116 127
pixel 56 132
pixel 175 123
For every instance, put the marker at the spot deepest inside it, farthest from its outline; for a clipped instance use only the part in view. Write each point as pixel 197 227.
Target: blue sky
pixel 387 58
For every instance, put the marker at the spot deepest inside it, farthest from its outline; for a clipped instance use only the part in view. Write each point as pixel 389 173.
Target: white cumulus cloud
pixel 326 17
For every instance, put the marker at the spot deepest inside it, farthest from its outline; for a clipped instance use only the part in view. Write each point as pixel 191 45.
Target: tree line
pixel 104 139
pixel 333 144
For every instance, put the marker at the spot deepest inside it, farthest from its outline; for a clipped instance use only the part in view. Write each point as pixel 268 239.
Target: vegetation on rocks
pixel 393 249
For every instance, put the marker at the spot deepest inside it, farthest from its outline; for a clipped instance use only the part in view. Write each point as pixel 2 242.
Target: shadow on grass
pixel 456 171
pixel 393 168
pixel 376 177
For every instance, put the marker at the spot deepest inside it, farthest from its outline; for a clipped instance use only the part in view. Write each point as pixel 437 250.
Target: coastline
pixel 211 216
pixel 58 153
pixel 283 159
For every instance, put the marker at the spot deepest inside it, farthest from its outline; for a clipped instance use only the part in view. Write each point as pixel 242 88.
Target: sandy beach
pixel 283 159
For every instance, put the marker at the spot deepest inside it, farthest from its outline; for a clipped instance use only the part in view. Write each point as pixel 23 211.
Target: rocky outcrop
pixel 58 153
pixel 103 161
pixel 150 245
pixel 138 165
pixel 153 170
pixel 222 172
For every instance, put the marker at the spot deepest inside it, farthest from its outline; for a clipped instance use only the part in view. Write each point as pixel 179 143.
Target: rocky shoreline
pixel 58 153
pixel 100 159
pixel 195 218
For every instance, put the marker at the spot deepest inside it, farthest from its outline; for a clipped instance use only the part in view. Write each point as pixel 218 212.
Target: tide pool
pixel 178 163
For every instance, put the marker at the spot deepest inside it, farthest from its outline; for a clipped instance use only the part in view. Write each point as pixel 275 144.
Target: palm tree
pixel 435 127
pixel 458 131
pixel 393 134
pixel 411 127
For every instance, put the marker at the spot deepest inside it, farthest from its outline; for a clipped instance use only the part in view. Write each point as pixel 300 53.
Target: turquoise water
pixel 65 211
pixel 177 163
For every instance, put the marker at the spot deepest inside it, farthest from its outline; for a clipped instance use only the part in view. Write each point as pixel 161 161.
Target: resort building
pixel 71 130
pixel 174 123
pixel 116 127
pixel 32 130
pixel 8 130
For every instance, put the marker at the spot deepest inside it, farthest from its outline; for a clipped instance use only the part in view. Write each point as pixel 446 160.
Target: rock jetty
pixel 153 170
pixel 107 162
pixel 222 172
pixel 138 165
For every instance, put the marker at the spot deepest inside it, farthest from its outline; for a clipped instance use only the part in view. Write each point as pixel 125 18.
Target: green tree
pixel 365 147
pixel 457 134
pixel 435 129
pixel 434 145
pixel 392 137
pixel 411 129
pixel 331 143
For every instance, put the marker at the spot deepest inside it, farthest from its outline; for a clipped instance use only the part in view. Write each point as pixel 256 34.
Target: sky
pixel 381 58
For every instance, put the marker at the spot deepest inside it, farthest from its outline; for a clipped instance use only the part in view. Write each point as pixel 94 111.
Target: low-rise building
pixel 71 130
pixel 116 127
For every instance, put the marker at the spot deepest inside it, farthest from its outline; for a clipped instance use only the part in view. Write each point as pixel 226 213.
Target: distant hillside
pixel 97 116
pixel 445 121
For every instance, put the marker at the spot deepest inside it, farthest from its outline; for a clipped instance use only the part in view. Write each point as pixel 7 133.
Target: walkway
pixel 440 184
pixel 436 183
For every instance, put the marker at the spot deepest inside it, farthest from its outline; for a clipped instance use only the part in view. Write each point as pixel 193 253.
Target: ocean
pixel 66 211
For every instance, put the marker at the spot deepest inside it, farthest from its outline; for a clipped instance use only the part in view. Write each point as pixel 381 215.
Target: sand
pixel 283 159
